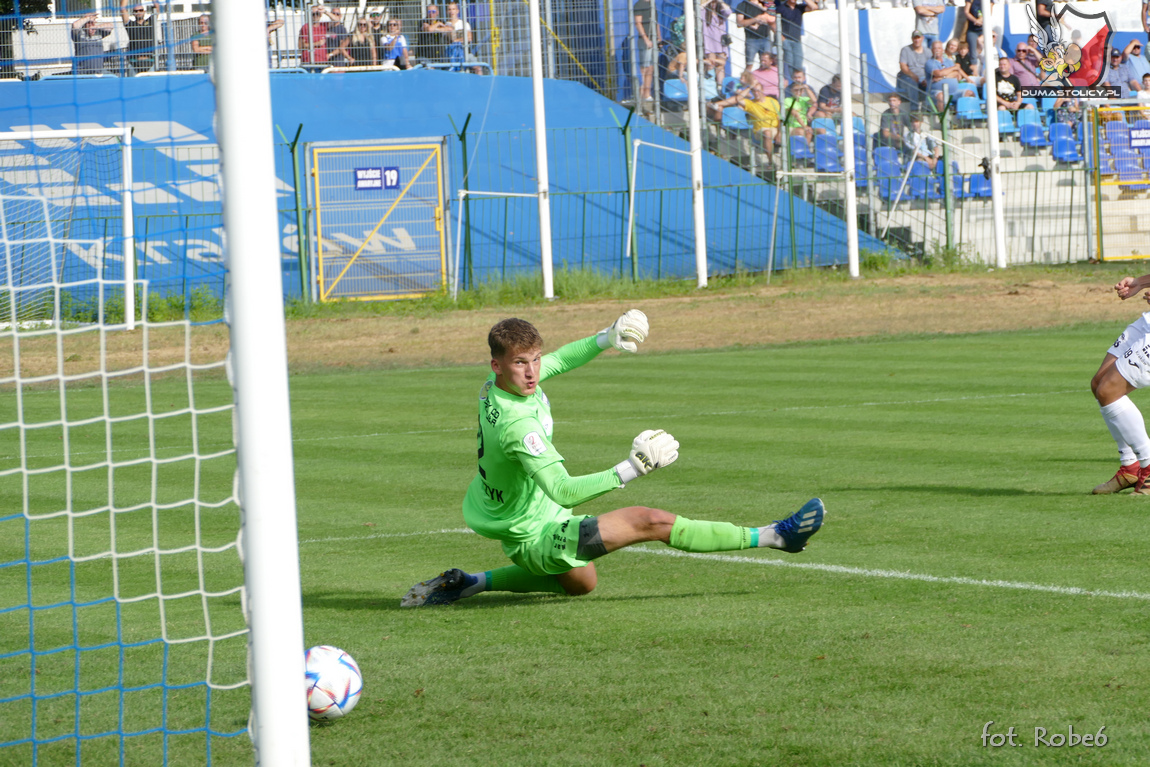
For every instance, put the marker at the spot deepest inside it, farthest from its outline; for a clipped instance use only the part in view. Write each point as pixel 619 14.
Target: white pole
pixel 990 65
pixel 541 149
pixel 848 131
pixel 129 235
pixel 690 14
pixel 255 311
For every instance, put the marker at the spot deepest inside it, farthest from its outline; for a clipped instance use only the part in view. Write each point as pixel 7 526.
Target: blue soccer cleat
pixel 800 526
pixel 443 589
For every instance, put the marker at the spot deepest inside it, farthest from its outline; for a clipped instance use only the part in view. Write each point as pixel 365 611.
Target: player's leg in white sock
pixel 1128 427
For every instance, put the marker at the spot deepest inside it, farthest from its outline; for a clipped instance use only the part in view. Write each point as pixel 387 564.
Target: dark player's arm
pixel 1128 287
pixel 568 491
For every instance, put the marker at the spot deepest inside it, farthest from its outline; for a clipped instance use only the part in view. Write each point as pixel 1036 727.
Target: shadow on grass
pixel 334 601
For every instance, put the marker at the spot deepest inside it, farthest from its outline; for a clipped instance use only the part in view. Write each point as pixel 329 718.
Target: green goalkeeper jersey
pixel 521 484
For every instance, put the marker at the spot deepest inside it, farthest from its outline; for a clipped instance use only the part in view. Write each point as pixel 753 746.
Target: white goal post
pixel 62 145
pixel 255 311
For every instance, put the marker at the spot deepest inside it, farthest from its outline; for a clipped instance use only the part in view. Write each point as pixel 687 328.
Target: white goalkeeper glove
pixel 626 334
pixel 653 449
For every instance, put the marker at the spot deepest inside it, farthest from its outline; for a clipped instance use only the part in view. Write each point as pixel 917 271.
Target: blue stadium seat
pixel 826 124
pixel 979 186
pixel 1117 132
pixel 1061 130
pixel 923 183
pixel 1066 150
pixel 958 182
pixel 827 154
pixel 1006 125
pixel 800 149
pixel 887 154
pixel 1033 105
pixel 1129 169
pixel 675 90
pixel 1032 136
pixel 969 108
pixel 735 118
pixel 859 125
pixel 1028 117
pixel 861 179
pixel 889 177
pixel 730 86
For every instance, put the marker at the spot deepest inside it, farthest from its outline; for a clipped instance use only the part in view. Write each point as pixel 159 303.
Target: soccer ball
pixel 333 682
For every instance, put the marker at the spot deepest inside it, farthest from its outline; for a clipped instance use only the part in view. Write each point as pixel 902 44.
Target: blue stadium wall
pixel 178 207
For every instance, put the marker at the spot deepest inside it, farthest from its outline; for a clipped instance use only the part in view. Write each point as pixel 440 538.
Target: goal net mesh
pixel 63 221
pixel 123 632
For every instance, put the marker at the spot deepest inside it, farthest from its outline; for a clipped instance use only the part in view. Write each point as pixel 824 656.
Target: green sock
pixel 515 578
pixel 700 536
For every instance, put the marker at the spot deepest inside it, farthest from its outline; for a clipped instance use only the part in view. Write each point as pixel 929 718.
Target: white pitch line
pixel 898 575
pixel 1073 591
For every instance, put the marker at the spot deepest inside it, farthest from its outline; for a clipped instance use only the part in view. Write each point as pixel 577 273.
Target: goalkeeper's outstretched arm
pixel 653 449
pixel 625 334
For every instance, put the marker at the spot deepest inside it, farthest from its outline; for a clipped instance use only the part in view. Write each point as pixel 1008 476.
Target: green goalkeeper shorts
pixel 555 550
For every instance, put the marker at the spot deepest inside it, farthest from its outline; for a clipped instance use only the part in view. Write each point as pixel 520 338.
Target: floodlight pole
pixel 689 19
pixel 990 84
pixel 541 176
pixel 258 369
pixel 848 130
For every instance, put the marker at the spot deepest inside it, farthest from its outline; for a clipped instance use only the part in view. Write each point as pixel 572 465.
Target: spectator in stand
pixel 358 48
pixel 911 81
pixel 1008 91
pixel 1121 75
pixel 1144 97
pixel 715 37
pixel 392 47
pixel 999 51
pixel 88 45
pixel 313 42
pixel 431 43
pixel 763 110
pixel 926 13
pixel 768 74
pixel 919 145
pixel 647 33
pixel 1138 63
pixel 1132 68
pixel 1066 110
pixel 202 43
pixel 798 110
pixel 1020 66
pixel 791 15
pixel 830 101
pixel 800 79
pixel 757 20
pixel 336 31
pixel 969 64
pixel 946 75
pixel 1044 13
pixel 458 25
pixel 893 123
pixel 675 44
pixel 141 31
pixel 377 28
pixel 973 13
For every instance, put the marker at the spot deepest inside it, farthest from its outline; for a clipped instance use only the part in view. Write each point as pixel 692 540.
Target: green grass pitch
pixel 964 574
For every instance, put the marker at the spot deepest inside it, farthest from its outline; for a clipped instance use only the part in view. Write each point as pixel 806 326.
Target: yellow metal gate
pixel 379 219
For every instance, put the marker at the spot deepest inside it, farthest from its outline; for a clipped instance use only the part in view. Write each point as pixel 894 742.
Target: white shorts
pixel 1132 349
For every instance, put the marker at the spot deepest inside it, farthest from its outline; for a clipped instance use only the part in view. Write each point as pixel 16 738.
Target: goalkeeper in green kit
pixel 522 495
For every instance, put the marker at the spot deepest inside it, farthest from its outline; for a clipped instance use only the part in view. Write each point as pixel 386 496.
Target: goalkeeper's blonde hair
pixel 513 335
